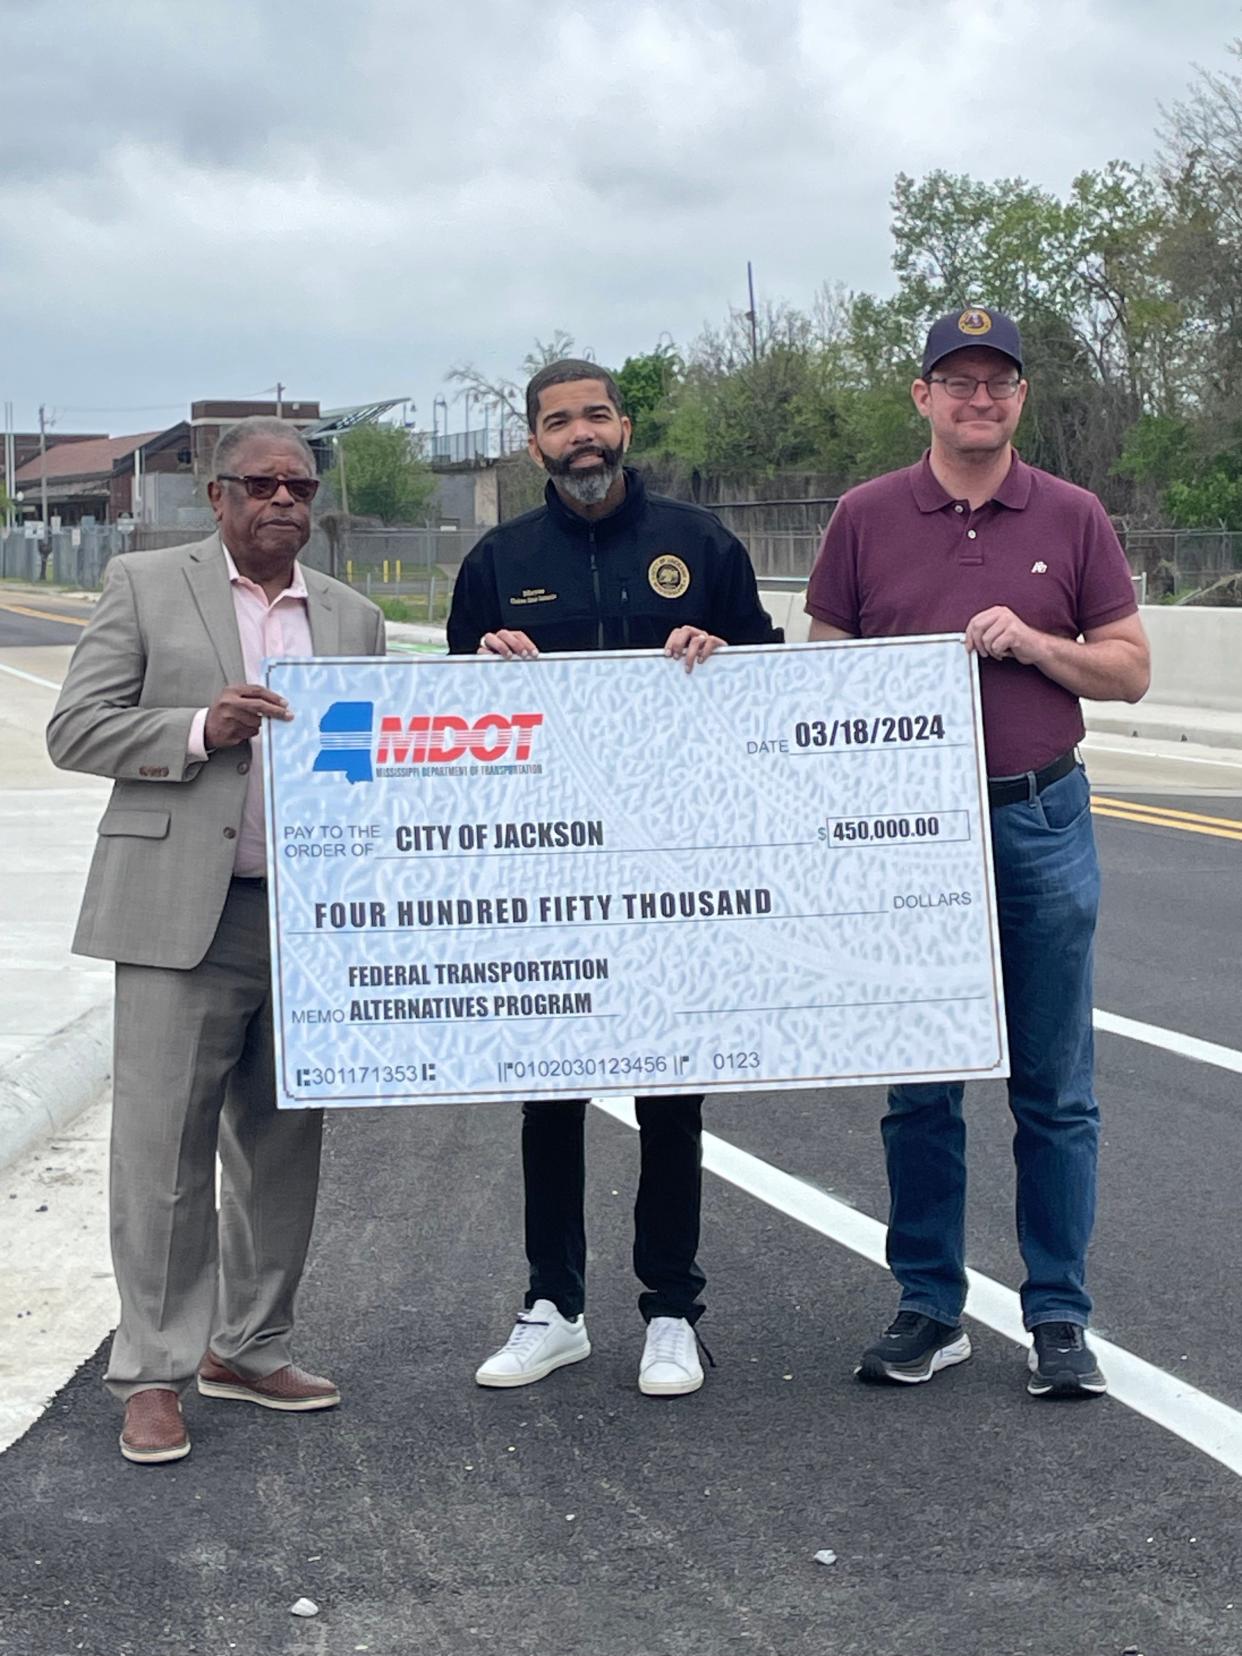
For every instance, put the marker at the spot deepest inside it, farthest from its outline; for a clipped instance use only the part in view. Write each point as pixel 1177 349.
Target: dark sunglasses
pixel 264 488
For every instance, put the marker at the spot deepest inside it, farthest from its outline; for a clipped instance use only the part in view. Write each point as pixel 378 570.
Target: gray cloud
pixel 198 201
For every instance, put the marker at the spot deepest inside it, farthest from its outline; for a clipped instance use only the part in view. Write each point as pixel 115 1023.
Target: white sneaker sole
pixel 529 1376
pixel 283 1405
pixel 1065 1383
pixel 959 1351
pixel 669 1388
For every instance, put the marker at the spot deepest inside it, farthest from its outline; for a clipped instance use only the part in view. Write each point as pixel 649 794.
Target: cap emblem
pixel 974 322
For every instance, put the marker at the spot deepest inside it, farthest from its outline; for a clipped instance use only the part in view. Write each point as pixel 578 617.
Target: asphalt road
pixel 576 1516
pixel 33 618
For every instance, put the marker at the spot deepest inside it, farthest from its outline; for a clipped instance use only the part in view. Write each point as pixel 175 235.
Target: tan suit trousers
pixel 194 1075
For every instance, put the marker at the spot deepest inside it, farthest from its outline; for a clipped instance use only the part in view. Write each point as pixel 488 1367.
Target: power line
pixel 116 408
pixel 159 408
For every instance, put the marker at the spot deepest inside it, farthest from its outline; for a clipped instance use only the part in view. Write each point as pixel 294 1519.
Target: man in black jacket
pixel 603 565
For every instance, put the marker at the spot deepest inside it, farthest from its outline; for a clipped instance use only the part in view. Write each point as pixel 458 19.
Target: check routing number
pixel 598 874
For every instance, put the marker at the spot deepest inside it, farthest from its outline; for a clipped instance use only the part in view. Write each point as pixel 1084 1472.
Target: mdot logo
pixel 349 741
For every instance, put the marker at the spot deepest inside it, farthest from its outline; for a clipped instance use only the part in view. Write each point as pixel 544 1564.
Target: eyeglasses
pixel 961 386
pixel 264 488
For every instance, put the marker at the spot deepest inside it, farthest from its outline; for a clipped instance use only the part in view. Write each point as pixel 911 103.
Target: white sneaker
pixel 542 1340
pixel 670 1364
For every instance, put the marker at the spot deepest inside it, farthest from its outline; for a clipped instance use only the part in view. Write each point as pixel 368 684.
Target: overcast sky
pixel 199 199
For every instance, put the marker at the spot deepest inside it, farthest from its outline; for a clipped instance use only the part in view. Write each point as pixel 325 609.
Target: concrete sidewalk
pixel 56 1018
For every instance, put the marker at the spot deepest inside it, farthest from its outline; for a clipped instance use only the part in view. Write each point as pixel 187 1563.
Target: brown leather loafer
pixel 290 1389
pixel 154 1430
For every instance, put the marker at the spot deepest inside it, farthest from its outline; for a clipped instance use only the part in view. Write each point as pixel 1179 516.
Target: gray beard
pixel 591 487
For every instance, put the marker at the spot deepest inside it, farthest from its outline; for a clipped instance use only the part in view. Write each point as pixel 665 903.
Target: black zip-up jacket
pixel 624 581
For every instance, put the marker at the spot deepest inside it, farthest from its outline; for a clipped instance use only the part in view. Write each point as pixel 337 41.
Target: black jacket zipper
pixel 599 603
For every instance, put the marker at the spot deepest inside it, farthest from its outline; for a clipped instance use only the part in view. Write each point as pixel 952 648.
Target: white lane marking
pixel 1199 1420
pixel 1093 745
pixel 48 684
pixel 1169 1040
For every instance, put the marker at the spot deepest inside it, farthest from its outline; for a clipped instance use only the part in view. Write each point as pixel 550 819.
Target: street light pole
pixel 10 466
pixel 439 403
pixel 43 464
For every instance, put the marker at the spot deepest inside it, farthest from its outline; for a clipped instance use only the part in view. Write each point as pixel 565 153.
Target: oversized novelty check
pixel 598 874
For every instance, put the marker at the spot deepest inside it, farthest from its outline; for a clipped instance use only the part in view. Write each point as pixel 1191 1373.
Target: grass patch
pixel 413 606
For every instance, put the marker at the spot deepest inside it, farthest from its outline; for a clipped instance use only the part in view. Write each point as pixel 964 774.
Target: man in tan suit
pixel 162 696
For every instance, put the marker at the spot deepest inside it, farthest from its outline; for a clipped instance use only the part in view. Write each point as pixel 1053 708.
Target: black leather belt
pixel 257 881
pixel 1008 790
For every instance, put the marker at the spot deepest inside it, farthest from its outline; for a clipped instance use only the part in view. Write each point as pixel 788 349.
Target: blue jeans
pixel 1048 888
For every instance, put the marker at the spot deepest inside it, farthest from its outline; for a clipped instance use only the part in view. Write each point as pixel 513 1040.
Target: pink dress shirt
pixel 279 628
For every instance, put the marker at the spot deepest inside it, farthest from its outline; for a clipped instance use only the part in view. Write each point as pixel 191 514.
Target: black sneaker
pixel 912 1348
pixel 1062 1364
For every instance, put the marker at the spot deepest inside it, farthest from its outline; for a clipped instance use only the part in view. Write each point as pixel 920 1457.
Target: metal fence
pixel 1186 564
pixel 70 557
pixel 457 448
pixel 396 562
pixel 1183 565
pixel 389 561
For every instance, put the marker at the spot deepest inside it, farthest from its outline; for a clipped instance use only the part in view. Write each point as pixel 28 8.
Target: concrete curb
pixel 1203 727
pixel 48 1087
pixel 415 637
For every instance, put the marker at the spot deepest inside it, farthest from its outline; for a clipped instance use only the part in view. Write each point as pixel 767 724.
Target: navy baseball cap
pixel 973 326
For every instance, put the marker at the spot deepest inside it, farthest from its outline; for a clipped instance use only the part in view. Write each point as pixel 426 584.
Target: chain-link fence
pixel 1198 566
pixel 68 557
pixel 1201 566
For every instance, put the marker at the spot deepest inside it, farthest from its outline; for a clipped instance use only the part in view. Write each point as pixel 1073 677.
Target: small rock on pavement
pixel 304 1607
pixel 827 1556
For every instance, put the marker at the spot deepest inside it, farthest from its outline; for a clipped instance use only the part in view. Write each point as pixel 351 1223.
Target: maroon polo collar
pixel 931 496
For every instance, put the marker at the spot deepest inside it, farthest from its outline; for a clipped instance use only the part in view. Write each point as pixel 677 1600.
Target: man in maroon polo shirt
pixel 973 540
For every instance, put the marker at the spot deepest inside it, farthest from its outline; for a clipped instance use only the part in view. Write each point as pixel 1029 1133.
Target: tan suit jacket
pixel 162 643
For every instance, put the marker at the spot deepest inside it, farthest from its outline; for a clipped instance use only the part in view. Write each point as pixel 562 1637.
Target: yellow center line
pixel 1111 801
pixel 1233 832
pixel 43 615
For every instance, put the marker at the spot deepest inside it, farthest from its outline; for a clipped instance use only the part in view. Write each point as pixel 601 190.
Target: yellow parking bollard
pixel 385 571
pixel 349 570
pixel 398 571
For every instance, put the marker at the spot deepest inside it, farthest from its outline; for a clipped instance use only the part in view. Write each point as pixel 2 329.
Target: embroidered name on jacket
pixel 533 595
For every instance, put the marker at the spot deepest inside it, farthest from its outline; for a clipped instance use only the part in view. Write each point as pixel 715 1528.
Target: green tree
pixel 385 475
pixel 646 383
pixel 1212 499
pixel 1157 451
pixel 758 403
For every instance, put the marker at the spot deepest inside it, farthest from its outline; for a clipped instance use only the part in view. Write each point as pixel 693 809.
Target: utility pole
pixel 45 539
pixel 10 464
pixel 280 401
pixel 340 466
pixel 750 314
